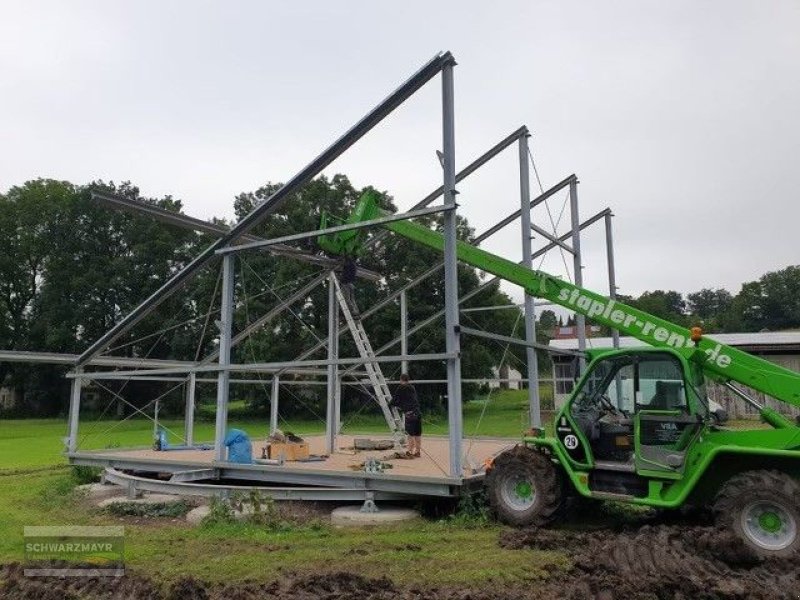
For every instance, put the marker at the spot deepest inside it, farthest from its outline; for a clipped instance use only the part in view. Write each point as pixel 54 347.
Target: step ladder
pixel 372 367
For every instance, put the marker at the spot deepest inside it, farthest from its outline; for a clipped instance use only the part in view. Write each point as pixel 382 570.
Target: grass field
pixel 37 488
pixel 28 443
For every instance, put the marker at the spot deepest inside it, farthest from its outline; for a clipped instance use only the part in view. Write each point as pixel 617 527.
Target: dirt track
pixel 661 562
pixel 652 562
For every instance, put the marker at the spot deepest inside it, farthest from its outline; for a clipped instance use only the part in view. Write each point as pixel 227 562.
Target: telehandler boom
pixel 637 427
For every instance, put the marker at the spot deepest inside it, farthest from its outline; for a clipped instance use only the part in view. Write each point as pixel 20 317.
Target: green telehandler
pixel 638 427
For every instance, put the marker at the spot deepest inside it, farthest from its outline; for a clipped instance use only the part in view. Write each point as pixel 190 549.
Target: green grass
pixel 31 443
pixel 166 549
pixel 37 488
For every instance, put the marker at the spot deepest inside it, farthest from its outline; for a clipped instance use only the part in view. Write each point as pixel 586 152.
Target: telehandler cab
pixel 638 427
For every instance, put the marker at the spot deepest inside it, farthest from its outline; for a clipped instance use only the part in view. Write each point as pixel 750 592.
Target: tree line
pixel 771 303
pixel 70 268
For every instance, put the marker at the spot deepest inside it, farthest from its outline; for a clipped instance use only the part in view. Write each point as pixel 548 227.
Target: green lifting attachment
pixel 718 361
pixel 348 243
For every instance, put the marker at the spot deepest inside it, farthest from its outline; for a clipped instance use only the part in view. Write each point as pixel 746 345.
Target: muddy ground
pixel 652 562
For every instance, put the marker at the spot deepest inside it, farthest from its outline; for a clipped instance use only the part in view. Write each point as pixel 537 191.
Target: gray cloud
pixel 681 116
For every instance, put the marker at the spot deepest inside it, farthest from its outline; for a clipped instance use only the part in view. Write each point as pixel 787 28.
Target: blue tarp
pixel 161 440
pixel 240 450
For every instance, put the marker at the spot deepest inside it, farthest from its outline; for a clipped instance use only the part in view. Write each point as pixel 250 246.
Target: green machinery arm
pixel 720 362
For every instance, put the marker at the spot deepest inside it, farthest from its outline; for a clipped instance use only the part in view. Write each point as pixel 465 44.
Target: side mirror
pixel 719 416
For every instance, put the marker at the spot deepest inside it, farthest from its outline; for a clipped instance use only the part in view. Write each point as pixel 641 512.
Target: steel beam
pixel 333 369
pixel 552 238
pixel 74 413
pixel 262 367
pixel 338 405
pixel 140 207
pixel 403 331
pixel 518 341
pixel 155 419
pixel 412 214
pixel 580 320
pixel 162 215
pixel 274 202
pixel 424 323
pixel 273 404
pixel 56 358
pixel 452 342
pixel 267 317
pixel 203 489
pixel 612 277
pixel 588 222
pixel 534 203
pixel 491 308
pixel 224 375
pixel 188 418
pixel 534 411
pixel 438 267
pixel 463 174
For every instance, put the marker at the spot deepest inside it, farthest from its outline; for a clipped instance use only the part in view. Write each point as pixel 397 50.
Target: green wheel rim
pixel 518 492
pixel 769 525
pixel 524 489
pixel 770 522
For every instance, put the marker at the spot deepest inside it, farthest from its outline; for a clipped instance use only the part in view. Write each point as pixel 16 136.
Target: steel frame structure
pixel 238 239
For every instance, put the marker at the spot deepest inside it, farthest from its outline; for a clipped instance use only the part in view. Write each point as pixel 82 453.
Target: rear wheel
pixel 524 488
pixel 763 509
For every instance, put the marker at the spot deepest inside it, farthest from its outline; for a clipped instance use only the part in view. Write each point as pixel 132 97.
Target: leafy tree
pixel 708 303
pixel 710 307
pixel 70 269
pixel 668 305
pixel 771 303
pixel 548 321
pixel 265 277
pixel 26 243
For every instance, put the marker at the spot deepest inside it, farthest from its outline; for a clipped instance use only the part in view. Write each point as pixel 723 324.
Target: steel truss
pixel 237 239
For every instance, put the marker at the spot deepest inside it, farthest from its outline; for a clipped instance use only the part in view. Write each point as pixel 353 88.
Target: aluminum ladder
pixel 374 373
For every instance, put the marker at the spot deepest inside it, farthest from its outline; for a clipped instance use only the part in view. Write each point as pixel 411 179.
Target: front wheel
pixel 524 488
pixel 763 509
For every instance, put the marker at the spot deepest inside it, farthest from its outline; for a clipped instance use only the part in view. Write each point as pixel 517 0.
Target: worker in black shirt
pixel 405 400
pixel 348 281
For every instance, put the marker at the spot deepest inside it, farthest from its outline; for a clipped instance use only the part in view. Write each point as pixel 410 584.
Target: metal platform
pixel 339 477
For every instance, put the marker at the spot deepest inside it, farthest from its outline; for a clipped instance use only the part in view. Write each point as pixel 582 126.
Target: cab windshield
pixel 627 384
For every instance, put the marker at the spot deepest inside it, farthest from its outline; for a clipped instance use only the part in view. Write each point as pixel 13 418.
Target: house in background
pixel 779 347
pixel 9 397
pixel 505 378
pixel 567 332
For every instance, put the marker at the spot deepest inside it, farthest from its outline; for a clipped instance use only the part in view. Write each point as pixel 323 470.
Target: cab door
pixel 665 426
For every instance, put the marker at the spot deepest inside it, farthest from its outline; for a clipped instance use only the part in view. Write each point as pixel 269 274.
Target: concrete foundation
pixel 351 516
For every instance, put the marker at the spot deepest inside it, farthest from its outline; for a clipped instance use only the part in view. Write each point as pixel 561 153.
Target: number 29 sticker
pixel 571 442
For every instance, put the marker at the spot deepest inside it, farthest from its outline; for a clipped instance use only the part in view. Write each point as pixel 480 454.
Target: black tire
pixel 507 481
pixel 763 509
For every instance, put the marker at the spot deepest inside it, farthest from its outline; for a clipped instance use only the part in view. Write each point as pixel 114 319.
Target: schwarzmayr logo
pixel 77 551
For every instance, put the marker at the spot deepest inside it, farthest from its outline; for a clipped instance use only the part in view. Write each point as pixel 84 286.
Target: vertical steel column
pixel 155 421
pixel 612 276
pixel 74 412
pixel 333 370
pixel 454 414
pixel 338 403
pixel 527 260
pixel 403 331
pixel 223 377
pixel 188 418
pixel 580 320
pixel 273 404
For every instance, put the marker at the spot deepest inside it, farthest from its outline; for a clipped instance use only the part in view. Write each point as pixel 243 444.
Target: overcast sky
pixel 680 116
